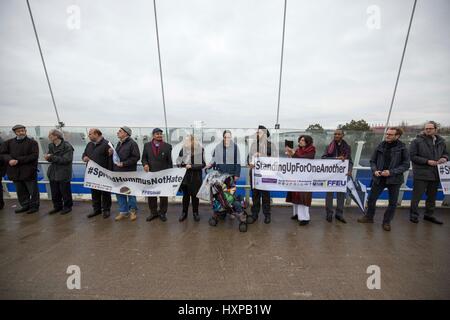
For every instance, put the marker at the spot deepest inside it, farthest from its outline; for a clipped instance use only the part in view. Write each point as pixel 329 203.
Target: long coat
pixel 61 158
pixel 423 149
pixel 98 152
pixel 160 161
pixel 26 151
pixel 304 198
pixel 193 179
pixel 129 154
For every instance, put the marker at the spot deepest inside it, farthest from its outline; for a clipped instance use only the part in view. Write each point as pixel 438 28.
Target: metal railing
pixel 209 137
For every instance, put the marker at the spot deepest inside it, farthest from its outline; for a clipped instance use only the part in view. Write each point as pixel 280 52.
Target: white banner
pixel 444 175
pixel 147 184
pixel 293 174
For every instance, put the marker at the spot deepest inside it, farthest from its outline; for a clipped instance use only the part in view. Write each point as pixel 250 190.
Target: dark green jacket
pixel 61 159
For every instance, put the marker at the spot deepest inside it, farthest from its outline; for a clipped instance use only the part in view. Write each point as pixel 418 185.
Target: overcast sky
pixel 221 62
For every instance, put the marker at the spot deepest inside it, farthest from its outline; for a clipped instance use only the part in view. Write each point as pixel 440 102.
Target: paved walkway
pixel 189 260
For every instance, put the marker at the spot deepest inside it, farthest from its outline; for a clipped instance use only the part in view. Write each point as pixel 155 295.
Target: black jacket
pixel 347 150
pixel 2 162
pixel 421 150
pixel 193 179
pixel 160 162
pixel 129 154
pixel 61 159
pixel 398 165
pixel 26 151
pixel 98 152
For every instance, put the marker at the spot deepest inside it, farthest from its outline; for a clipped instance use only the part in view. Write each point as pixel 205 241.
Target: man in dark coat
pixel 99 151
pixel 337 149
pixel 2 173
pixel 60 156
pixel 157 156
pixel 427 151
pixel 388 163
pixel 21 155
pixel 262 147
pixel 128 152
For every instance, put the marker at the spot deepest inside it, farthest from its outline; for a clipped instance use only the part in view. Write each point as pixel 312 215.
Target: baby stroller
pixel 221 190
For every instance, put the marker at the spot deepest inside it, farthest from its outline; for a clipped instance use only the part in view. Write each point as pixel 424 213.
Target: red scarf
pixel 156 149
pixel 305 152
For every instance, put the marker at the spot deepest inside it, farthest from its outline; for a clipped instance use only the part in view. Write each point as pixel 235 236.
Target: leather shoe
pixel 432 220
pixel 414 220
pixel 251 218
pixel 93 214
pixel 183 216
pixel 152 216
pixel 21 210
pixel 66 211
pixel 365 219
pixel 53 211
pixel 196 216
pixel 341 219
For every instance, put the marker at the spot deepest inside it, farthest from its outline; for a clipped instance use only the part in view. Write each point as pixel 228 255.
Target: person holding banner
pixel 157 156
pixel 226 157
pixel 427 151
pixel 301 201
pixel 388 163
pixel 128 152
pixel 60 156
pixel 262 147
pixel 191 157
pixel 99 151
pixel 337 149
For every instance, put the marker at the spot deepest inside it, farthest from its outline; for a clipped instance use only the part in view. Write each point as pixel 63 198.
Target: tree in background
pixel 315 128
pixel 360 125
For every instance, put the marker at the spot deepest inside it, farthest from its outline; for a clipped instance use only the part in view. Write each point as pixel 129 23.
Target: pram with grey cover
pixel 220 190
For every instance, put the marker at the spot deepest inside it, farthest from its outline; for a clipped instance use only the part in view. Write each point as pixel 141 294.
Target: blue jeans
pixel 126 203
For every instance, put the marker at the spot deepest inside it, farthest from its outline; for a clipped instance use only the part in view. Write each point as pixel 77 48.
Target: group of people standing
pixel 19 160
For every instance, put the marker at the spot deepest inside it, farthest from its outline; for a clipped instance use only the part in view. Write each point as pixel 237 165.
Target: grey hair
pixel 56 133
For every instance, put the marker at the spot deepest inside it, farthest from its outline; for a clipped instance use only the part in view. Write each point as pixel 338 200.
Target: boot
pixel 183 216
pixel 365 219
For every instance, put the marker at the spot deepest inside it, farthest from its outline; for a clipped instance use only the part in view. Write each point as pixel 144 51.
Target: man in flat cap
pixel 21 154
pixel 157 156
